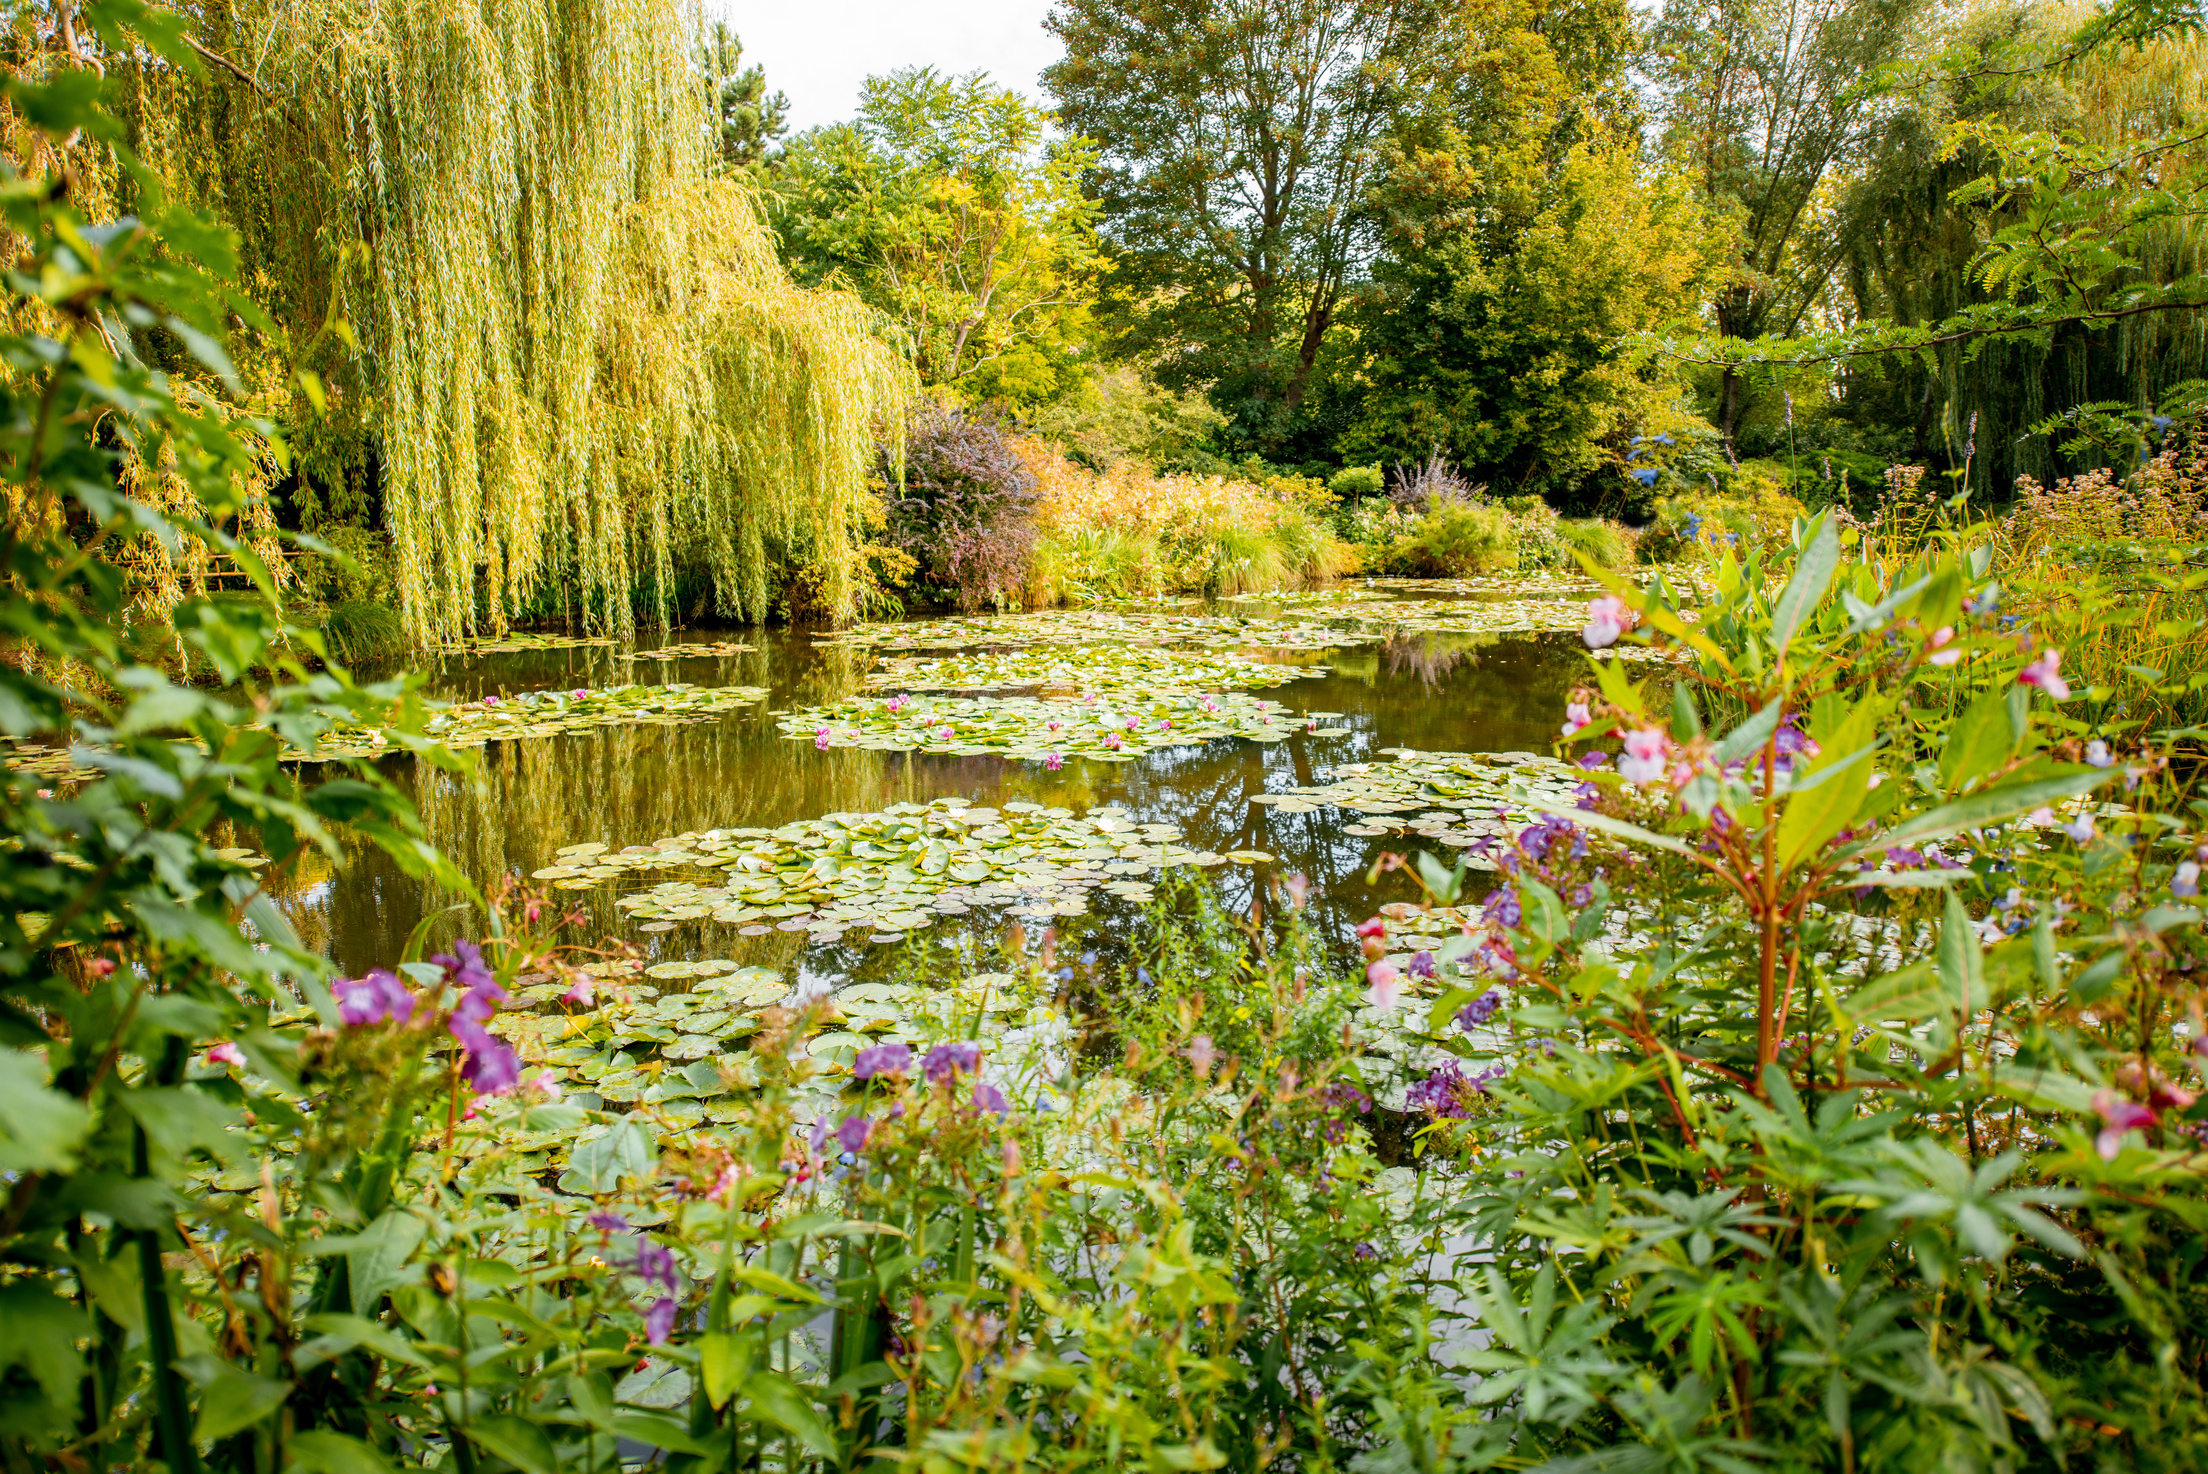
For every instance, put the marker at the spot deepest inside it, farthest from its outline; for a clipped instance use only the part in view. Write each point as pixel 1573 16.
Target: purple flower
pixel 1479 1010
pixel 606 1222
pixel 882 1059
pixel 374 998
pixel 1502 908
pixel 488 1064
pixel 659 1321
pixel 946 1060
pixel 1447 1091
pixel 1422 965
pixel 1593 760
pixel 988 1098
pixel 852 1134
pixel 1584 796
pixel 655 1264
pixel 465 968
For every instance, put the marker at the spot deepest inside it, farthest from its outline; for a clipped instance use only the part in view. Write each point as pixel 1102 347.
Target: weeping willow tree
pixel 521 315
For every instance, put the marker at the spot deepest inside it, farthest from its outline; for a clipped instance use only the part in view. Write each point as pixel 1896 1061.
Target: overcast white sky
pixel 819 51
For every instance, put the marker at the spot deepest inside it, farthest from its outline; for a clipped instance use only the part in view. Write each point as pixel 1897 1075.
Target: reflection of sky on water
pixel 632 785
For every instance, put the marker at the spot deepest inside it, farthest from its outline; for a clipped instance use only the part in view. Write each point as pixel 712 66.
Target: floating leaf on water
pixel 1114 730
pixel 543 714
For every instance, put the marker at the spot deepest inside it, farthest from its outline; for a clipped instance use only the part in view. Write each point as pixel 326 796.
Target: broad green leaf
pixel 321 1451
pixel 776 1399
pixel 1981 740
pixel 725 1361
pixel 1914 992
pixel 1750 735
pixel 1992 806
pixel 235 1399
pixel 1961 963
pixel 40 1127
pixel 515 1439
pixel 1827 795
pixel 1812 576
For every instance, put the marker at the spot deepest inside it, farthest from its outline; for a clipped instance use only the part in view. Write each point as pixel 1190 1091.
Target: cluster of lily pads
pixel 1099 626
pixel 1113 728
pixel 513 643
pixel 889 873
pixel 1476 616
pixel 707 648
pixel 1087 668
pixel 543 713
pixel 1452 798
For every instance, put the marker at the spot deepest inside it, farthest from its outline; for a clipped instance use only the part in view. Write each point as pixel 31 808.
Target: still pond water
pixel 620 786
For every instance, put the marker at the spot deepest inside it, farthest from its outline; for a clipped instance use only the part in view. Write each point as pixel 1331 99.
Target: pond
pixel 1423 677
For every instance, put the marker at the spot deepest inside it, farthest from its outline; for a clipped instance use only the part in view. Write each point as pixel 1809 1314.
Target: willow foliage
pixel 522 296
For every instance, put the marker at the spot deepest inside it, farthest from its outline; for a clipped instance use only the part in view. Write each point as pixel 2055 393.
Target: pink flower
pixel 2121 1115
pixel 820 739
pixel 2043 674
pixel 1373 926
pixel 583 993
pixel 1053 761
pixel 1051 726
pixel 490 701
pixel 897 704
pixel 1134 724
pixel 226 1053
pixel 1386 984
pixel 1645 751
pixel 1111 740
pixel 1576 716
pixel 946 734
pixel 1299 887
pixel 1200 1056
pixel 541 1086
pixel 1165 724
pixel 1941 636
pixel 1208 704
pixel 579 692
pixel 1607 618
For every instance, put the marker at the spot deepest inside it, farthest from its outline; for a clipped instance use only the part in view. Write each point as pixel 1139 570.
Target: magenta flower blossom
pixel 948 1059
pixel 2119 1116
pixel 820 739
pixel 882 1059
pixel 659 1321
pixel 1299 888
pixel 1053 761
pixel 1385 984
pixel 1575 717
pixel 896 704
pixel 1134 724
pixel 582 992
pixel 488 1063
pixel 372 999
pixel 946 734
pixel 1607 618
pixel 225 1053
pixel 1051 726
pixel 1373 926
pixel 1111 740
pixel 853 1132
pixel 490 701
pixel 2045 674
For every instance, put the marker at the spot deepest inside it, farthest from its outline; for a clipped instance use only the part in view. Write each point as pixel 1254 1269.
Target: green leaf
pixel 1914 992
pixel 1750 735
pixel 724 1360
pixel 379 1252
pixel 780 1402
pixel 320 1451
pixel 42 1334
pixel 1962 965
pixel 1991 807
pixel 599 1164
pixel 1982 739
pixel 1812 576
pixel 518 1441
pixel 40 1128
pixel 235 1399
pixel 1826 796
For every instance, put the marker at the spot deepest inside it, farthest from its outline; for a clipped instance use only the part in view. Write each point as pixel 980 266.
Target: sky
pixel 819 51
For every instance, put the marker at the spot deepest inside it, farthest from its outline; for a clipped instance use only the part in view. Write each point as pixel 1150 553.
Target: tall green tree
pixel 949 207
pixel 1237 141
pixel 748 119
pixel 1762 101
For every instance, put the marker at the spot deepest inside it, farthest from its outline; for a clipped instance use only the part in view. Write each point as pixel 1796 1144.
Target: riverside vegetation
pixel 1798 1069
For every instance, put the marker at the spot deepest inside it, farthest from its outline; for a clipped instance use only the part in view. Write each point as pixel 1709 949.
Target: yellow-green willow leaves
pixel 492 233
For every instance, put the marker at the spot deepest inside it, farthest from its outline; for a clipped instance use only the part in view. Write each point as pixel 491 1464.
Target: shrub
pixel 1455 539
pixel 965 509
pixel 1356 483
pixel 358 630
pixel 1431 483
pixel 1607 544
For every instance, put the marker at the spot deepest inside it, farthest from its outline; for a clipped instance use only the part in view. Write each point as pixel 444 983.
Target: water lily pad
pixel 1101 668
pixel 542 714
pixel 1113 729
pixel 1453 798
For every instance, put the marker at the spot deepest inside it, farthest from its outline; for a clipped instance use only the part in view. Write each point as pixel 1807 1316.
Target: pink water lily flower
pixel 1111 740
pixel 820 739
pixel 1053 761
pixel 2045 674
pixel 579 693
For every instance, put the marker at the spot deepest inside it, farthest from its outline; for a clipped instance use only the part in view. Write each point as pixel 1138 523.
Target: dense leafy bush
pixel 964 510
